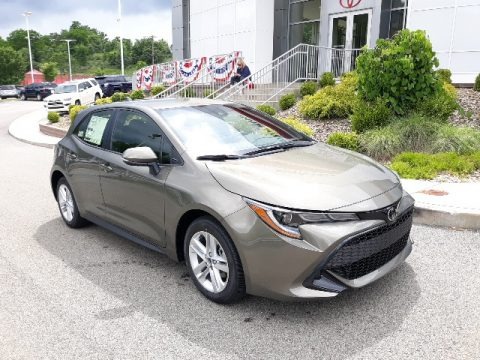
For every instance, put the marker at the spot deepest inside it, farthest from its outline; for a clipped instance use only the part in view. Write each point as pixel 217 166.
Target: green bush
pixel 157 89
pixel 287 101
pixel 476 86
pixel 53 117
pixel 381 143
pixel 427 166
pixel 461 140
pixel 119 97
pixel 308 88
pixel 441 105
pixel 400 70
pixel 331 101
pixel 444 75
pixel 344 140
pixel 267 109
pixel 137 95
pixel 416 132
pixel 75 110
pixel 103 101
pixel 299 126
pixel 327 79
pixel 368 116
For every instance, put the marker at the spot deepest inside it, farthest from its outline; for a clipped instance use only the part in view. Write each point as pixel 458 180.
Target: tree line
pixel 91 53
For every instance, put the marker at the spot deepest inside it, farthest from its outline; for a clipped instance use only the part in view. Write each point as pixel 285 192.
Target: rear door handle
pixel 72 155
pixel 106 167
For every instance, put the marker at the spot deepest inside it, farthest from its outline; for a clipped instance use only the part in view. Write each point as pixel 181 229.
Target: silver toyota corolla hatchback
pixel 251 205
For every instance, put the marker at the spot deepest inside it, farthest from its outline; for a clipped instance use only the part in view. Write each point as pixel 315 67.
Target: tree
pixel 142 51
pixel 50 70
pixel 12 65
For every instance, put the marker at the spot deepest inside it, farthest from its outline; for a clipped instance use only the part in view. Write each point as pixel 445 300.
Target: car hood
pixel 54 97
pixel 317 177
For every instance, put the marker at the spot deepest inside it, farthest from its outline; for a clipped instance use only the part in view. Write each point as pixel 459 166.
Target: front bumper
pixel 331 257
pixel 59 106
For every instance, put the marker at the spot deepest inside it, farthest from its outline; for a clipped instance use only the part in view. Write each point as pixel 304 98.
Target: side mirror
pixel 142 156
pixel 139 156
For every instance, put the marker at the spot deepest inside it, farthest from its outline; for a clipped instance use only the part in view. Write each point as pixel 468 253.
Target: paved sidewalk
pixel 454 205
pixel 26 129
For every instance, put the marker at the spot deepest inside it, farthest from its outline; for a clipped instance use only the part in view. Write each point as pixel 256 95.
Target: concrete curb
pixel 26 129
pixel 438 217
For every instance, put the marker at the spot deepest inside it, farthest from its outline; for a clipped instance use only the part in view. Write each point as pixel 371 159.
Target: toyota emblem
pixel 392 214
pixel 349 4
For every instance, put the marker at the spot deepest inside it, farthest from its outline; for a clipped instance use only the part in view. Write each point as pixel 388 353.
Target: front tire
pixel 39 97
pixel 213 262
pixel 68 205
pixel 77 102
pixel 23 97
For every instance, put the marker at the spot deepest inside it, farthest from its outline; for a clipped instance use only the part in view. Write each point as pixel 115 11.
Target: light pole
pixel 27 14
pixel 153 53
pixel 120 32
pixel 68 41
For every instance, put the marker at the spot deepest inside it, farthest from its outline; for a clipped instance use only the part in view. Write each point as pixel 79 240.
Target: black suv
pixel 38 91
pixel 111 84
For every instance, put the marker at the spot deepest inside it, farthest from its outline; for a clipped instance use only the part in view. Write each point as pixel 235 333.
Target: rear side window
pixel 92 129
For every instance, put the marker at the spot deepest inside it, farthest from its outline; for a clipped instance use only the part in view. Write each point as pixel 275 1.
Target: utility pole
pixel 27 14
pixel 120 31
pixel 69 58
pixel 153 52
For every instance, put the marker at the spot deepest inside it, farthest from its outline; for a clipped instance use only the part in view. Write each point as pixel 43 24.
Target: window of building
pixel 393 17
pixel 304 20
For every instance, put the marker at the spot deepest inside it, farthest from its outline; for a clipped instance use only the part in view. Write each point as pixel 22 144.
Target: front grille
pixel 371 250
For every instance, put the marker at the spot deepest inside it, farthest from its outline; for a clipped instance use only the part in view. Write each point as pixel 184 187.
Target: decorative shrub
pixel 331 101
pixel 427 166
pixel 344 140
pixel 299 126
pixel 267 109
pixel 461 140
pixel 137 95
pixel 119 97
pixel 53 117
pixel 416 132
pixel 400 70
pixel 327 79
pixel 476 86
pixel 441 105
pixel 287 101
pixel 444 75
pixel 308 88
pixel 381 144
pixel 103 101
pixel 368 116
pixel 75 109
pixel 157 89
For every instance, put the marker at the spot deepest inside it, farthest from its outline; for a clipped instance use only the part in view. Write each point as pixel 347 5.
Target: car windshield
pixel 63 89
pixel 225 130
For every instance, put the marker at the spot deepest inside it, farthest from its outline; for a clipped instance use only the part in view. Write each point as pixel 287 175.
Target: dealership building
pixel 262 30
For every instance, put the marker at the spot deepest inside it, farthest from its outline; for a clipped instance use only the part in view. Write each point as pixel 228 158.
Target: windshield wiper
pixel 282 146
pixel 221 157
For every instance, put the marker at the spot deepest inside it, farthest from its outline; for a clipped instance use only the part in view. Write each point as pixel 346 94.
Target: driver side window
pixel 134 129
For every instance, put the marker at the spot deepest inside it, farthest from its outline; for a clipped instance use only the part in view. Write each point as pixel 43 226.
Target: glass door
pixel 349 32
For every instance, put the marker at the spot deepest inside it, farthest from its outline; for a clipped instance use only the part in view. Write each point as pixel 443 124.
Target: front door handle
pixel 106 167
pixel 72 155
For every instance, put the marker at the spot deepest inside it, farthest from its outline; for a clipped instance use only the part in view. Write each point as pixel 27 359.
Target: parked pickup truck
pixel 111 84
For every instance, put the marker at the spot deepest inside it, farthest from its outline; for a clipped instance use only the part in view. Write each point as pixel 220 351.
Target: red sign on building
pixel 349 4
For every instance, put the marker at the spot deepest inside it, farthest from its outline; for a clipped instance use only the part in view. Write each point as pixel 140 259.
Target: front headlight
pixel 67 99
pixel 286 222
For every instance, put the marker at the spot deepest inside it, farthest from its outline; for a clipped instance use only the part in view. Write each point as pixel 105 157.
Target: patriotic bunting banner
pixel 221 67
pixel 168 73
pixel 189 70
pixel 139 79
pixel 147 77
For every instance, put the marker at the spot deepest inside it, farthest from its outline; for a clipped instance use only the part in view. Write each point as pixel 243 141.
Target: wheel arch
pixel 54 178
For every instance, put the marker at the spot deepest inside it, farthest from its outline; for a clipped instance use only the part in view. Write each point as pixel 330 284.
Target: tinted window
pixel 133 129
pixel 93 82
pixel 92 129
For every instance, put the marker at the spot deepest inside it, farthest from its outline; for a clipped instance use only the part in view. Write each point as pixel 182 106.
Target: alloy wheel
pixel 208 261
pixel 65 200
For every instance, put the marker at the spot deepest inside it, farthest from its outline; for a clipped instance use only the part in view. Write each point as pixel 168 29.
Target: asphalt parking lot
pixel 87 293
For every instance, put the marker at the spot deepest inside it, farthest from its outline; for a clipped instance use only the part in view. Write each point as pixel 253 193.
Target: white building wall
pixel 223 26
pixel 452 27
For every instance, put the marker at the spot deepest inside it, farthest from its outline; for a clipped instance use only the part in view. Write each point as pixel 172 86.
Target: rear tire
pixel 213 262
pixel 23 97
pixel 39 97
pixel 97 96
pixel 77 102
pixel 68 205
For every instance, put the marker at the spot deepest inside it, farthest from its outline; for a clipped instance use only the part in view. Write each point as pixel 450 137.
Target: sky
pixel 140 18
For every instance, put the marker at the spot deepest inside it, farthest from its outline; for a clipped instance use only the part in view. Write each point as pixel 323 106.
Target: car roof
pixel 159 104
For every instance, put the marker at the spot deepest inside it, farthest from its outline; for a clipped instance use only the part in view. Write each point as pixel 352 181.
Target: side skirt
pixel 123 233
